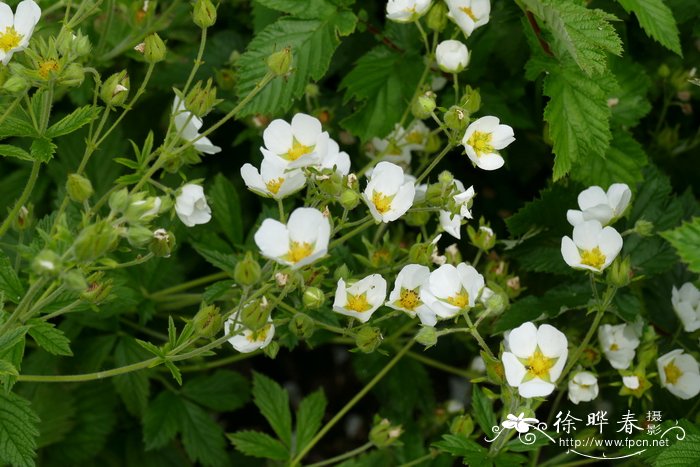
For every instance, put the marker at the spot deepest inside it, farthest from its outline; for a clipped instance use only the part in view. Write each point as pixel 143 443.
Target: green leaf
pixel 312 42
pixel 70 123
pixel 174 371
pixel 624 162
pixel 304 9
pixel 10 284
pixel 8 150
pixel 7 368
pixel 657 21
pixel 18 430
pixel 482 409
pixel 55 407
pixel 223 391
pixel 224 261
pixel 547 211
pixel 202 437
pixel 132 387
pixel 682 453
pixel 686 240
pixel 382 83
pixel 161 420
pixel 49 337
pixel 226 207
pixel 462 446
pixel 629 100
pixel 273 402
pixel 15 125
pixel 309 417
pixel 42 149
pixel 584 34
pixel 256 444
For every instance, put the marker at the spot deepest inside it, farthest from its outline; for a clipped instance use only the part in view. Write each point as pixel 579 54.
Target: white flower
pixel 302 241
pixel 583 387
pixel 483 139
pixel 686 303
pixel 631 382
pixel 273 180
pixel 388 195
pixel 463 199
pixel 679 373
pixel 596 204
pixel 191 205
pixel 478 365
pixel 406 295
pixel 247 340
pixel 520 423
pixel 451 223
pixel 405 11
pixel 452 56
pixel 469 14
pixel 593 247
pixel 299 144
pixel 452 289
pixel 619 343
pixel 188 125
pixel 415 137
pixel 335 159
pixel 534 358
pixel 390 150
pixel 421 193
pixel 17 29
pixel 361 299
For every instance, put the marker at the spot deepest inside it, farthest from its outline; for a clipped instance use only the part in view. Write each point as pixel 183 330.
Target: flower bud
pixel 154 50
pixel 462 425
pixel 313 298
pixel 207 321
pixel 368 339
pixel 417 218
pixel 349 199
pixel 247 271
pixel 456 118
pixel 383 434
pixel 424 105
pixel 255 314
pixel 620 272
pixel 664 71
pixel 79 188
pixel 119 200
pixel 73 75
pixel 648 350
pixel 15 84
pixel 644 228
pixel 341 272
pixel 201 99
pixel 24 218
pixel 116 89
pixel 94 241
pixel 590 356
pixel 98 289
pixel 446 178
pixel 484 238
pixel 453 255
pixel 302 326
pixel 420 253
pixel 271 349
pixel 75 281
pixel 437 17
pixel 280 62
pixel 471 101
pixel 204 13
pixel 427 336
pixel 434 143
pixel 46 262
pixel 452 56
pixel 138 235
pixel 162 243
pixel 331 185
pixel 225 79
pixel 495 300
pixel 80 45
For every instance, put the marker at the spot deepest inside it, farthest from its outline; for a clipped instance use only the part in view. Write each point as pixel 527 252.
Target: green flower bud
pixel 435 194
pixel 162 243
pixel 620 272
pixel 420 253
pixel 154 50
pixel 453 255
pixel 462 425
pixel 80 45
pixel 417 218
pixel 255 314
pixel 272 349
pixel 332 184
pixel 349 199
pixel 24 218
pixel 471 101
pixel 79 188
pixel 280 62
pixel 427 336
pixel 142 209
pixel 590 356
pixel 437 17
pixel 495 300
pixel 313 298
pixel 664 71
pixel 138 235
pixel 73 75
pixel 15 84
pixel 668 137
pixel 383 434
pixel 644 228
pixel 341 272
pixel 204 13
pixel 75 281
pixel 94 241
pixel 247 271
pixel 648 350
pixel 207 321
pixel 434 143
pixel 456 118
pixel 116 89
pixel 312 90
pixel 423 106
pixel 446 178
pixel 484 238
pixel 302 326
pixel 119 200
pixel 494 368
pixel 46 262
pixel 368 338
pixel 201 99
pixel 225 79
pixel 98 289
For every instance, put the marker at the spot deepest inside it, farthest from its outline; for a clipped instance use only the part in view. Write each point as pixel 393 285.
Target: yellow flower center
pixel 46 67
pixel 415 137
pixel 393 149
pixel 409 299
pixel 299 251
pixel 259 335
pixel 468 11
pixel 614 347
pixel 9 39
pixel 273 186
pixel 381 201
pixel 673 373
pixel 358 303
pixel 461 300
pixel 593 258
pixel 297 151
pixel 481 142
pixel 538 365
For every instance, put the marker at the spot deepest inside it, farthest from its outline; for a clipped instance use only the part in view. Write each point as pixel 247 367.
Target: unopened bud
pixel 142 209
pixel 644 228
pixel 255 314
pixel 95 240
pixel 204 13
pixel 471 101
pixel 648 350
pixel 434 143
pixel 483 238
pixel 383 434
pixel 368 338
pixel 313 298
pixel 46 262
pixel 138 235
pixel 437 17
pixel 427 336
pixel 207 321
pixel 24 218
pixel 119 200
pixel 302 326
pixel 342 272
pixel 162 243
pixel 98 289
pixel 456 118
pixel 116 89
pixel 664 71
pixel 454 256
pixel 424 105
pixel 202 98
pixel 494 299
pixel 446 178
pixel 247 271
pixel 75 281
pixel 349 199
pixel 462 425
pixel 280 62
pixel 15 84
pixel 620 272
pixel 79 188
pixel 590 356
pixel 154 50
pixel 272 349
pixel 420 253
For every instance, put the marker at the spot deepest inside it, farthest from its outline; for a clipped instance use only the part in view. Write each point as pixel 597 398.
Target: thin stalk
pixel 434 163
pixel 352 233
pixel 439 365
pixel 342 457
pixel 189 284
pixel 26 193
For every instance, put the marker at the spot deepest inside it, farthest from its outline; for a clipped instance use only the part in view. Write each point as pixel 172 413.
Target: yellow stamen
pixel 673 373
pixel 9 39
pixel 614 347
pixel 461 300
pixel 393 149
pixel 47 66
pixel 481 142
pixel 381 201
pixel 273 186
pixel 414 137
pixel 358 303
pixel 593 258
pixel 468 11
pixel 260 335
pixel 298 150
pixel 409 299
pixel 538 365
pixel 298 251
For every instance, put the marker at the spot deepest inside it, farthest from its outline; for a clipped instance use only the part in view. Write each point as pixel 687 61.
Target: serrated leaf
pixel 304 9
pixel 161 420
pixel 223 391
pixel 256 444
pixel 202 437
pixel 10 284
pixel 309 417
pixel 155 350
pixel 273 402
pixel 174 371
pixel 49 338
pixel 73 121
pixel 462 446
pixel 224 261
pixel 382 82
pixel 7 150
pixel 312 42
pixel 682 453
pixel 629 102
pixel 132 387
pixel 482 409
pixel 657 21
pixel 15 125
pixel 686 240
pixel 18 430
pixel 624 162
pixel 55 407
pixel 7 368
pixel 226 208
pixel 42 149
pixel 548 211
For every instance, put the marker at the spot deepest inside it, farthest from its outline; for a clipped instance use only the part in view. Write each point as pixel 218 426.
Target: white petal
pixel 6 16
pixel 515 371
pixel 619 196
pixel 551 341
pixel 570 253
pixel 491 161
pixel 278 136
pixel 586 234
pixel 592 196
pixel 306 129
pixel 272 239
pixel 523 340
pixel 27 15
pixel 574 217
pixel 535 388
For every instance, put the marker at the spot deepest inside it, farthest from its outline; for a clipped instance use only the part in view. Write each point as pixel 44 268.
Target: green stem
pixel 434 163
pixel 197 62
pixel 439 365
pixel 378 377
pixel 418 461
pixel 33 175
pixel 189 285
pixel 342 457
pixel 477 336
pixel 221 362
pixel 352 233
